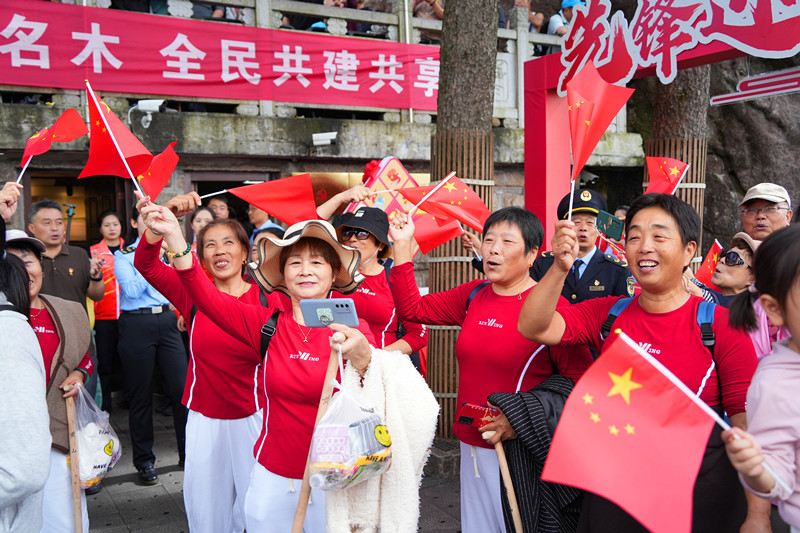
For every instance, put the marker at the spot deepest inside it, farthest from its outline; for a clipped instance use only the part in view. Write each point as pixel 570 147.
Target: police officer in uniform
pixel 594 274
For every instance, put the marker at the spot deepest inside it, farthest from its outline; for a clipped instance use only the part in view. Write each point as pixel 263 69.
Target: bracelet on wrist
pixel 175 255
pixel 99 278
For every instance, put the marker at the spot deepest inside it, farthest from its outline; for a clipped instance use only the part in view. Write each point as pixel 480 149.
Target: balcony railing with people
pixel 395 24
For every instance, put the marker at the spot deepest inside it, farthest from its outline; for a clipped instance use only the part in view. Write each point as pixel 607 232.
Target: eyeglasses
pixel 360 234
pixel 732 259
pixel 768 211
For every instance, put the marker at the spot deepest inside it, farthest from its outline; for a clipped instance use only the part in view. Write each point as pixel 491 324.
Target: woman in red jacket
pixel 106 311
pixel 223 390
pixel 308 263
pixel 367 230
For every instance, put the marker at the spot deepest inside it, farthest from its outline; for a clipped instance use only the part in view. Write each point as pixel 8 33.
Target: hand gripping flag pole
pixel 113 139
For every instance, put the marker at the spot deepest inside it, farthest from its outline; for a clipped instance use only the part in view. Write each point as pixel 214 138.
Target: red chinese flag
pixel 607 100
pixel 665 174
pixel 68 127
pixel 631 435
pixel 455 199
pixel 289 199
pixel 580 121
pixel 104 158
pixel 430 232
pixel 161 168
pixel 706 270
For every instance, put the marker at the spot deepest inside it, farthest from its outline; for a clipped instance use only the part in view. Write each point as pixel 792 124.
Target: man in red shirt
pixel 662 233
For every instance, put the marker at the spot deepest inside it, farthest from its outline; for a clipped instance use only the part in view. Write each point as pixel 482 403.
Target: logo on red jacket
pixel 303 356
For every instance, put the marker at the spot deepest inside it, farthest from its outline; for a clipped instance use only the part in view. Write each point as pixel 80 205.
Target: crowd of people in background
pixel 244 400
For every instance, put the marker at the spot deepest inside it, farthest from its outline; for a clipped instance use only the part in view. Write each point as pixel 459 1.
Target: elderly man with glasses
pixel 765 208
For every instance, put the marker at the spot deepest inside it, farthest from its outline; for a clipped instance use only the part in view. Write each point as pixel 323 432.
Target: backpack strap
pixel 705 319
pixel 267 331
pixel 475 292
pixel 618 307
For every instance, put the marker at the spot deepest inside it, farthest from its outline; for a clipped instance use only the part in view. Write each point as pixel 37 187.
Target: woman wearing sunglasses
pixel 367 230
pixel 733 273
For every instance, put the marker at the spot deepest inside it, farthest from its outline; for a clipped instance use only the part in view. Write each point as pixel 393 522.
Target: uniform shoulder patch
pixel 547 254
pixel 128 250
pixel 616 260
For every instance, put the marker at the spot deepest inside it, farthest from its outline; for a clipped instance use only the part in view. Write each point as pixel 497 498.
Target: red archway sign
pixel 663 37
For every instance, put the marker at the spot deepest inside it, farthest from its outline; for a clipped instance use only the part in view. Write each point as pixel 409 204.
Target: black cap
pixel 585 201
pixel 372 219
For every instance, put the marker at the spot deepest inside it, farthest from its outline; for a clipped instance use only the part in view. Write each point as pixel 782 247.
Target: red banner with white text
pixel 46 44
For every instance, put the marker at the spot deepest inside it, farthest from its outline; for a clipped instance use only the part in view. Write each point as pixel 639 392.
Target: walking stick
pixel 325 397
pixel 506 475
pixel 73 462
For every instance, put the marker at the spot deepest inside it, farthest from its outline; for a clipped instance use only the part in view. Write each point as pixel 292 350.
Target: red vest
pixel 108 307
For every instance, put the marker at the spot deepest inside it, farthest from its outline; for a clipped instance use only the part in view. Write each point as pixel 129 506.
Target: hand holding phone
pixel 610 226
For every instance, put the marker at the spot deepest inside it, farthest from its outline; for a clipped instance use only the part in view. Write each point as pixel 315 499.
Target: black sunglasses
pixel 360 234
pixel 732 259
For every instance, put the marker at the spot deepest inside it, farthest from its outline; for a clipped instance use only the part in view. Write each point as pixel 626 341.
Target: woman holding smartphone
pixel 223 393
pixel 307 264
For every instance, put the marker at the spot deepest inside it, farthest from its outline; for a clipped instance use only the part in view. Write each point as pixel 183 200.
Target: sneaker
pixel 94 489
pixel 147 475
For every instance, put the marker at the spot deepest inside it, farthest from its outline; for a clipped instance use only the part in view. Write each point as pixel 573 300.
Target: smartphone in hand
pixel 319 313
pixel 610 226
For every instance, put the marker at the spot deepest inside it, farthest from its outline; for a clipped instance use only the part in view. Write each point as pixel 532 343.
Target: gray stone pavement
pixel 124 505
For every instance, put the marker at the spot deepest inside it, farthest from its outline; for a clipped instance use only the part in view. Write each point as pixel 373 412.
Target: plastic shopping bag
pixel 350 444
pixel 98 444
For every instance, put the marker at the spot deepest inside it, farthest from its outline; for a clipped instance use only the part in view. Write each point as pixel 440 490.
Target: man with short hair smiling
pixel 68 272
pixel 765 208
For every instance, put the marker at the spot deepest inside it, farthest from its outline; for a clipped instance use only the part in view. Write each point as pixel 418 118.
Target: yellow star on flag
pixel 594 417
pixel 623 385
pixel 450 186
pixel 588 399
pixel 613 430
pixel 104 130
pixel 96 122
pixel 587 122
pixel 629 429
pixel 673 172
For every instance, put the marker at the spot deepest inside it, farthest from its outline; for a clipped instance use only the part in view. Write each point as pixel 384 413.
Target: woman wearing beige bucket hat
pixel 308 263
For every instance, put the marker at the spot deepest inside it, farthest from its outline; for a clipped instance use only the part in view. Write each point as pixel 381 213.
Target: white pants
pixel 57 509
pixel 481 507
pixel 219 460
pixel 271 502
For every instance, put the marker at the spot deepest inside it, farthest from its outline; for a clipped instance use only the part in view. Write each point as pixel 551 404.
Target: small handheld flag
pixel 68 127
pixel 665 174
